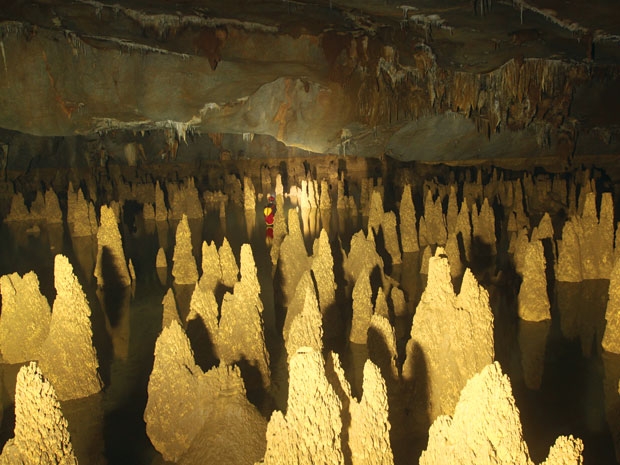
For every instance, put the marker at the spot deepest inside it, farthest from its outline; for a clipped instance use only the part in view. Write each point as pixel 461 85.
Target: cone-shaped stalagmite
pixel 228 264
pixel 53 214
pixel 111 264
pixel 68 357
pixel 533 299
pixel 408 230
pixel 211 270
pixel 390 236
pixel 611 337
pixel 323 272
pixel 41 430
pixel 569 267
pixel 310 430
pixel 294 260
pixel 25 318
pixel 451 339
pixel 184 268
pixel 306 329
pixel 375 214
pixel 363 256
pixel 486 429
pixel 362 309
pixel 170 312
pixel 296 305
pixel 249 194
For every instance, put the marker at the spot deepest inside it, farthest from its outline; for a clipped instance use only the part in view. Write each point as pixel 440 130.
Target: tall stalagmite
pixel 407 217
pixel 362 308
pixel 228 264
pixel 451 340
pixel 306 329
pixel 68 357
pixel 294 260
pixel 53 213
pixel 611 337
pixel 184 268
pixel 211 270
pixel 111 265
pixel 375 214
pixel 249 194
pixel 533 299
pixel 25 318
pixel 41 430
pixel 390 236
pixel 170 312
pixel 486 429
pixel 362 256
pixel 323 272
pixel 297 303
pixel 310 430
pixel 463 226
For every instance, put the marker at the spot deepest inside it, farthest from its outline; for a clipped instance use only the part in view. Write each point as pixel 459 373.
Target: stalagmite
pixel 228 264
pixel 304 202
pixel 211 270
pixel 451 340
pixel 434 220
pixel 160 260
pixel 323 272
pixel 83 216
pixel 454 256
pixel 325 201
pixel 170 312
pixel 41 430
pixel 485 428
pixel 298 302
pixel 533 299
pixel 381 305
pixel 68 357
pixel 407 216
pixel 453 211
pixel 544 229
pixel 382 347
pixel 111 264
pixel 184 268
pixel 161 210
pixel 611 337
pixel 148 212
pixel 362 256
pixel 279 230
pixel 398 301
pixel 25 318
pixel 53 214
pixel 520 247
pixel 310 430
pixel 569 266
pixel 375 213
pixel 369 431
pixel 484 227
pixel 362 308
pixel 184 200
pixel 388 225
pixel 18 210
pixel 294 260
pixel 37 207
pixel 341 199
pixel 426 256
pixel 306 329
pixel 249 194
pixel 279 186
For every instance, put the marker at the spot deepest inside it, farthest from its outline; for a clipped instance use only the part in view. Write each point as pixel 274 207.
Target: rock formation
pixel 228 264
pixel 306 329
pixel 294 260
pixel 184 200
pixel 25 318
pixel 569 266
pixel 463 227
pixel 390 236
pixel 80 215
pixel 68 357
pixel 485 428
pixel 407 217
pixel 53 214
pixel 484 227
pixel 451 340
pixel 211 270
pixel 453 211
pixel 375 213
pixel 161 211
pixel 362 256
pixel 111 266
pixel 279 229
pixel 41 430
pixel 454 256
pixel 160 260
pixel 382 347
pixel 184 268
pixel 323 272
pixel 310 430
pixel 434 220
pixel 611 337
pixel 298 302
pixel 325 201
pixel 249 194
pixel 362 308
pixel 170 312
pixel 381 305
pixel 533 299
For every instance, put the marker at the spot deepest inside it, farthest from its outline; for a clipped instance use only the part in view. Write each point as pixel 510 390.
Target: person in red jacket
pixel 270 212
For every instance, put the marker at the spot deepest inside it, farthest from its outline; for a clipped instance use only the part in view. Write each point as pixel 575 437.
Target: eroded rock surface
pixel 184 269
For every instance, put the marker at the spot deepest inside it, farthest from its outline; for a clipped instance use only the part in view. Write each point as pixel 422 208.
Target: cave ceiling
pixel 423 80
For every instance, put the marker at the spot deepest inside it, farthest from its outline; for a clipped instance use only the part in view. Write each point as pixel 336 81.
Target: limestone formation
pixel 545 228
pixel 454 256
pixel 161 210
pixel 160 260
pixel 484 227
pixel 111 267
pixel 611 337
pixel 520 247
pixel 279 186
pixel 279 230
pixel 407 216
pixel 323 272
pixel 362 256
pixel 533 299
pixel 569 267
pixel 566 450
pixel 249 194
pixel 382 347
pixel 25 318
pixel 423 234
pixel 375 213
pixel 18 210
pixel 306 329
pixel 294 260
pixel 53 214
pixel 485 427
pixel 369 431
pixel 388 225
pixel 325 201
pixel 81 216
pixel 68 357
pixel 41 430
pixel 381 305
pixel 228 264
pixel 37 207
pixel 211 270
pixel 399 304
pixel 310 430
pixel 453 211
pixel 184 268
pixel 362 308
pixel 463 227
pixel 170 312
pixel 451 340
pixel 434 219
pixel 148 212
pixel 426 256
pixel 184 200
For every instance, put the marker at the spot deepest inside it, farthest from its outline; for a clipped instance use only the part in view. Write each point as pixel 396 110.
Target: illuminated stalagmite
pixel 381 305
pixel 463 226
pixel 297 303
pixel 18 210
pixel 170 312
pixel 375 213
pixel 310 430
pixel 362 308
pixel 407 217
pixel 228 264
pixel 211 270
pixel 306 329
pixel 161 211
pixel 362 256
pixel 382 347
pixel 184 200
pixel 483 226
pixel 41 430
pixel 533 299
pixel 451 339
pixel 80 215
pixel 25 317
pixel 486 429
pixel 68 357
pixel 53 214
pixel 294 258
pixel 611 337
pixel 249 194
pixel 569 268
pixel 110 252
pixel 434 219
pixel 390 236
pixel 160 260
pixel 280 229
pixel 323 272
pixel 325 201
pixel 454 256
pixel 184 268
